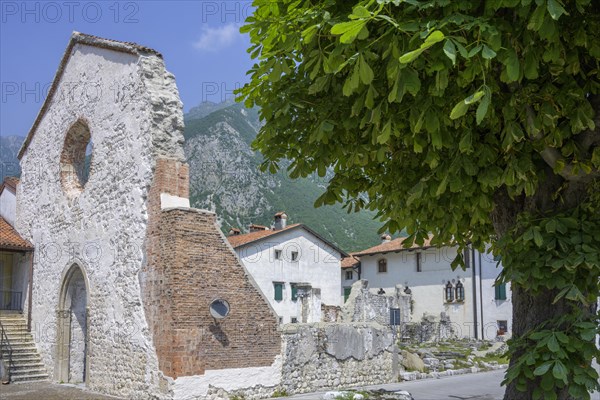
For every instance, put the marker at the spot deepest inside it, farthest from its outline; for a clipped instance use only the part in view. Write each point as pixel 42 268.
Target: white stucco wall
pixel 20 277
pixel 427 286
pixel 317 264
pixel 132 107
pixel 347 283
pixel 8 206
pixel 493 310
pixel 196 387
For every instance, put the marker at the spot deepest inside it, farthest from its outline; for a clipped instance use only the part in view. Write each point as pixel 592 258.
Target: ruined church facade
pixel 132 288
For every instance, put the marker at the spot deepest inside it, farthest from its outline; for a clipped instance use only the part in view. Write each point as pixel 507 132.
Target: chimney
pixel 385 238
pixel 280 221
pixel 234 231
pixel 256 228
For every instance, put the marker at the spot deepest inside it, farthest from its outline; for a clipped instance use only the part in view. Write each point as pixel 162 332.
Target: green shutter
pixel 294 293
pixel 278 291
pixel 347 291
pixel 501 291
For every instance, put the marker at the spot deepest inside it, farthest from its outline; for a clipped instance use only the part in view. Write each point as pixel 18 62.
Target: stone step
pixel 15 333
pixel 15 341
pixel 29 378
pixel 15 329
pixel 11 314
pixel 14 326
pixel 24 358
pixel 20 348
pixel 27 371
pixel 13 320
pixel 17 370
pixel 27 364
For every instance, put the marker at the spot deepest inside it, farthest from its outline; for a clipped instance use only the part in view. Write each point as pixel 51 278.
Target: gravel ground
pixel 48 391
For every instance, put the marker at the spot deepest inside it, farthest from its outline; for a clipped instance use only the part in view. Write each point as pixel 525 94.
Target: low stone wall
pixel 333 355
pixel 412 376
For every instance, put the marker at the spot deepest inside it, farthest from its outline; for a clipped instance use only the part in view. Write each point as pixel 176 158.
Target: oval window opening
pixel 76 158
pixel 219 309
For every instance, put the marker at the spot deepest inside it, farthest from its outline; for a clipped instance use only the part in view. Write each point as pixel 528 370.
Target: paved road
pixel 481 386
pixel 47 391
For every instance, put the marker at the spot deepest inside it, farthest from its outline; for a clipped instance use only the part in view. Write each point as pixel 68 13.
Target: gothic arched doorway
pixel 72 323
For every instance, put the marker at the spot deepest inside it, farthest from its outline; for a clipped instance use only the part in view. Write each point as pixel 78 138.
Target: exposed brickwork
pixel 190 265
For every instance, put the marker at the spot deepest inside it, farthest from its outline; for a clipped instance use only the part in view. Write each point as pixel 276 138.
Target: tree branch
pixel 553 157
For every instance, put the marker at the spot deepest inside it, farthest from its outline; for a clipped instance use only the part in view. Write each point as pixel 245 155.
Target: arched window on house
pixel 382 266
pixel 449 292
pixel 460 292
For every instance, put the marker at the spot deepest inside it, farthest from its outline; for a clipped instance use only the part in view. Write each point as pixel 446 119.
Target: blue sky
pixel 199 40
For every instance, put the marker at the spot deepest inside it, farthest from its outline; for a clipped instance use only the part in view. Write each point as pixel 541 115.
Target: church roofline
pixel 88 40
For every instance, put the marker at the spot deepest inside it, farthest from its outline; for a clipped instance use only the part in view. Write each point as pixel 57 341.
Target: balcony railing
pixel 10 300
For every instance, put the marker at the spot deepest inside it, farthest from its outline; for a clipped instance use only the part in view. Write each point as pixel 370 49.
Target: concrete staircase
pixel 26 362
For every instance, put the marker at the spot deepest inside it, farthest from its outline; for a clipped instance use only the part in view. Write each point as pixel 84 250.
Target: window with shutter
pixel 449 292
pixel 460 292
pixel 294 292
pixel 347 291
pixel 278 286
pixel 501 291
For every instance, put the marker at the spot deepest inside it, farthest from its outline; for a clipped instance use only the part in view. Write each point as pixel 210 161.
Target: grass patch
pixel 280 393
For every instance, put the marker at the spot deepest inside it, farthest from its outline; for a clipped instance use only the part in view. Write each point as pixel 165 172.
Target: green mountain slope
pixel 9 148
pixel 225 178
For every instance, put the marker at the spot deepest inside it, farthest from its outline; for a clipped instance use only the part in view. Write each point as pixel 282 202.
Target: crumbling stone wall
pixel 330 313
pixel 129 103
pixel 333 355
pixel 365 306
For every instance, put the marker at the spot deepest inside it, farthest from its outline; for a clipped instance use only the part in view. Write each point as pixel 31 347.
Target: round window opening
pixel 219 309
pixel 76 158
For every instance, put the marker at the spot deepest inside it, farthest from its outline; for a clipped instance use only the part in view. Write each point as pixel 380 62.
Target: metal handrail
pixel 4 342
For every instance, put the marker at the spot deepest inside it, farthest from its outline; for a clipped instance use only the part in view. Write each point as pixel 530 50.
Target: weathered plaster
pixel 133 111
pixel 317 265
pixel 196 387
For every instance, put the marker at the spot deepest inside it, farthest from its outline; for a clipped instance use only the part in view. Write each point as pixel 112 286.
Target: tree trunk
pixel 529 310
pixel 528 313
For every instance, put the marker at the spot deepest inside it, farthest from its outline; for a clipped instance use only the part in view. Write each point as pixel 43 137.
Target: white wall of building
pixel 8 206
pixel 317 264
pixel 476 316
pixel 427 286
pixel 347 283
pixel 494 310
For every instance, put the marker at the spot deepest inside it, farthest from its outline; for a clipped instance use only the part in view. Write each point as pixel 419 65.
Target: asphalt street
pixel 480 386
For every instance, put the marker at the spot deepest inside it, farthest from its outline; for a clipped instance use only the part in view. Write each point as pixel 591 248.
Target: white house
pixel 295 268
pixel 16 254
pixel 493 301
pixel 8 199
pixel 474 305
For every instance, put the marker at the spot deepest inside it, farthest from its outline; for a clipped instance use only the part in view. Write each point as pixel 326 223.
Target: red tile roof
pixel 350 262
pixel 11 183
pixel 393 246
pixel 259 227
pixel 240 240
pixel 10 238
pixel 247 238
